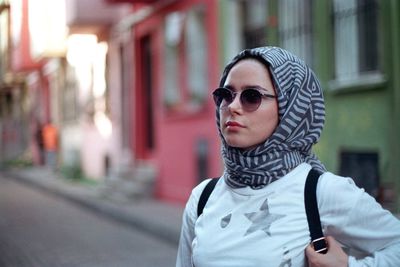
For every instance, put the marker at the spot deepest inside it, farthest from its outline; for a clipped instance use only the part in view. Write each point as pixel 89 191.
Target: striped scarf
pixel 301 119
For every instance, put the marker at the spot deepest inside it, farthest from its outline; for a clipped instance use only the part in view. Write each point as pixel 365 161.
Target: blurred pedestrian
pixel 39 142
pixel 270 112
pixel 50 142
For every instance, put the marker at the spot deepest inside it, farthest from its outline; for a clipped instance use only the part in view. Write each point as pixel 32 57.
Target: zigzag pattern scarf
pixel 301 120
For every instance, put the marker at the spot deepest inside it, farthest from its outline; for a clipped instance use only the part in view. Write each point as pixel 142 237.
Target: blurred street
pixel 107 117
pixel 42 229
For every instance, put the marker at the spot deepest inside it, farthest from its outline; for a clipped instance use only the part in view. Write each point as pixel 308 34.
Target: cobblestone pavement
pixel 41 230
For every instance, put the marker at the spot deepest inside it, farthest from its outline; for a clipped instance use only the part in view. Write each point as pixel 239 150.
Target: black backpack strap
pixel 205 195
pixel 311 206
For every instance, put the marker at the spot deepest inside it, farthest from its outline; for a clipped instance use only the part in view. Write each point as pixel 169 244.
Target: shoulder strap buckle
pixel 314 222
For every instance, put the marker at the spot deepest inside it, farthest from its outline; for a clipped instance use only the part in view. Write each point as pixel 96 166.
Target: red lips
pixel 233 124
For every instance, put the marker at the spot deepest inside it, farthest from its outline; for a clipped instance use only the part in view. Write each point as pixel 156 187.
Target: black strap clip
pixel 320 245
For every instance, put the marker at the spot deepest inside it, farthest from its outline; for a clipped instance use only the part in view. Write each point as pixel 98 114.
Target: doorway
pixel 145 143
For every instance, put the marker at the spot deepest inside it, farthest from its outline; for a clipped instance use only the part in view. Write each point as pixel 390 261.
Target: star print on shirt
pixel 286 261
pixel 262 219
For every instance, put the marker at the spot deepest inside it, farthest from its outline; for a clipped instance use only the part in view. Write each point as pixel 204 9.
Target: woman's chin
pixel 237 144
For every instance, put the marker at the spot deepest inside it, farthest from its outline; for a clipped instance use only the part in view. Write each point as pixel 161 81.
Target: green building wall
pixel 361 117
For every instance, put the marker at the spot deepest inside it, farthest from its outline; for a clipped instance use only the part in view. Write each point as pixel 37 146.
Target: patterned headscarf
pixel 301 112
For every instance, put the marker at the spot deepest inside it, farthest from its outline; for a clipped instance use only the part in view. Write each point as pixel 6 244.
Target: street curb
pixel 103 208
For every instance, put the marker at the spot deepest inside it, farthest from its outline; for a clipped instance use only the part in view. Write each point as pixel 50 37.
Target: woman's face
pixel 241 128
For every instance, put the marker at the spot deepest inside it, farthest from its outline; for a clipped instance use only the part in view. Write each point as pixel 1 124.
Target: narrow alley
pixel 38 229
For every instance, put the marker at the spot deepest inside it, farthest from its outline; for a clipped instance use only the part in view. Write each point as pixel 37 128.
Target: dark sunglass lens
pixel 251 99
pixel 222 94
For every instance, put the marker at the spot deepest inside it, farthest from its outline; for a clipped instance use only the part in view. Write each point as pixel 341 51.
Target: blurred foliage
pixel 75 174
pixel 16 163
pixel 21 161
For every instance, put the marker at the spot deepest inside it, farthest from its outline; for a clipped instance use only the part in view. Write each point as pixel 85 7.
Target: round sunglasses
pixel 250 98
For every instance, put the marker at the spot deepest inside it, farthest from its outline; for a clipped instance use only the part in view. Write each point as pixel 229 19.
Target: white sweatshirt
pixel 268 227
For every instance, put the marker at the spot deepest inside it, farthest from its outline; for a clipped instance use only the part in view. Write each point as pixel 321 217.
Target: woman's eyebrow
pixel 255 87
pixel 230 87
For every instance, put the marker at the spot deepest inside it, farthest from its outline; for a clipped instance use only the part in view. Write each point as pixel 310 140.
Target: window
pixel 255 14
pixel 126 97
pixel 356 38
pixel 69 95
pixel 362 167
pixel 295 28
pixel 173 34
pixel 202 155
pixel 185 60
pixel 4 42
pixel 196 55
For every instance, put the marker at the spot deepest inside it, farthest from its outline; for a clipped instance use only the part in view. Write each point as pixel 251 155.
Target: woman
pixel 270 111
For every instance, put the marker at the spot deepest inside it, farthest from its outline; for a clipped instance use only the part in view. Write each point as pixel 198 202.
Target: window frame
pixel 187 96
pixel 299 28
pixel 359 79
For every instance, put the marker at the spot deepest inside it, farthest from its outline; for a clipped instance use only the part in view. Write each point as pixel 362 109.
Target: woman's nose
pixel 235 105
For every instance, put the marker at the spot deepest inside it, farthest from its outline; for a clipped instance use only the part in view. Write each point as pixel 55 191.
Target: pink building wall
pixel 177 134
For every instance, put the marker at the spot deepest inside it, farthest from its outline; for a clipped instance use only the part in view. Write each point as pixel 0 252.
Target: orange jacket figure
pixel 49 133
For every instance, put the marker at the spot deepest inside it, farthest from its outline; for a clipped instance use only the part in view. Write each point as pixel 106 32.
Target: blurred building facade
pixel 130 89
pixel 13 123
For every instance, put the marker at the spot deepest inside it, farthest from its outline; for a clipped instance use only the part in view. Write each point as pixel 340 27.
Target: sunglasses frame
pixel 246 105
